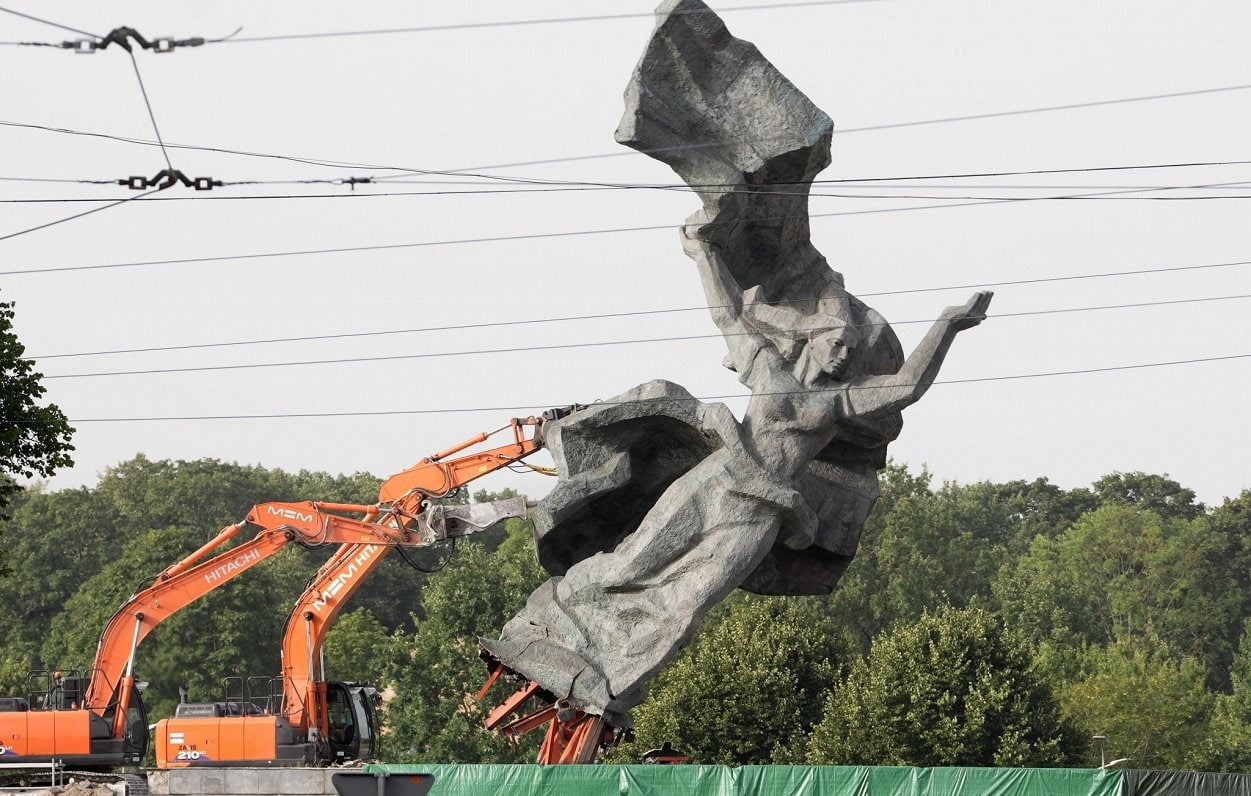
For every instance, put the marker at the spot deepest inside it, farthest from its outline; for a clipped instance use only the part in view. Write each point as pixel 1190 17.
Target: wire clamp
pixel 123 36
pixel 168 178
pixel 352 182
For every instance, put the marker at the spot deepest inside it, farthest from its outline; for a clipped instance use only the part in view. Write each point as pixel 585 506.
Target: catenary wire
pixel 464 171
pixel 148 103
pixel 519 236
pixel 544 21
pixel 245 153
pixel 48 22
pixel 594 344
pixel 56 179
pixel 893 125
pixel 77 215
pixel 818 195
pixel 599 184
pixel 731 396
pixel 635 313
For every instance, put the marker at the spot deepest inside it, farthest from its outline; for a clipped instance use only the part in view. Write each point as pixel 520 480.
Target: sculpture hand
pixel 971 313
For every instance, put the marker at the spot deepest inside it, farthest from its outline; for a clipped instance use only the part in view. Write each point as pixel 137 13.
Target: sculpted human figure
pixel 665 504
pixel 600 632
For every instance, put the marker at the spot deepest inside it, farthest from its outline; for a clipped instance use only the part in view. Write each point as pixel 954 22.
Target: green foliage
pixel 1121 572
pixel 1150 703
pixel 488 496
pixel 1233 519
pixel 1157 493
pixel 1132 597
pixel 1228 744
pixel 82 552
pixel 56 540
pixel 952 689
pixel 34 439
pixel 360 649
pixel 207 495
pixel 749 687
pixel 923 548
pixel 432 716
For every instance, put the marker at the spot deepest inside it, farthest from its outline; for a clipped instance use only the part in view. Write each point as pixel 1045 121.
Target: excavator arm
pixel 308 523
pixel 409 493
pixel 404 516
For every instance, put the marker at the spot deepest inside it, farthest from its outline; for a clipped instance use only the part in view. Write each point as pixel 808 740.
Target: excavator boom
pixel 404 516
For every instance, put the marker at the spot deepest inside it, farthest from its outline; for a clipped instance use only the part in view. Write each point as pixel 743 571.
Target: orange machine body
pixel 49 733
pixel 307 700
pixel 102 723
pixel 248 740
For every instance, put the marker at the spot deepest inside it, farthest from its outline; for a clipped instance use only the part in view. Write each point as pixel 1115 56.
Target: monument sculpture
pixel 666 504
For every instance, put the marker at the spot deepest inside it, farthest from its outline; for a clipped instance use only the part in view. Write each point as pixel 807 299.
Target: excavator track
pixel 136 784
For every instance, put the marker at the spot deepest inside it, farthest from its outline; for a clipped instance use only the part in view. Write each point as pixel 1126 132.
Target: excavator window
pixel 341 719
pixel 136 740
pixel 364 702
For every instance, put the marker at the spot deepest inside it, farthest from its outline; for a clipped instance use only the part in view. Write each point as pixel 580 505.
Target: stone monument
pixel 666 504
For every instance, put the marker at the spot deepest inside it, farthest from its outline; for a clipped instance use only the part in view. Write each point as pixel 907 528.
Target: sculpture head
pixel 830 351
pixel 818 338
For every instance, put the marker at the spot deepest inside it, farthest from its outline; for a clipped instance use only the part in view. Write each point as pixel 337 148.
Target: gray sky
pixel 479 96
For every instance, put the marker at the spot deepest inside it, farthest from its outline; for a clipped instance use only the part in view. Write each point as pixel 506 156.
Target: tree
pixel 231 632
pixel 1039 508
pixel 749 687
pixel 83 551
pixel 1150 702
pixel 1122 572
pixel 358 648
pixel 1228 745
pixel 34 439
pixel 1233 519
pixel 55 541
pixel 432 717
pixel 952 689
pixel 922 548
pixel 1159 493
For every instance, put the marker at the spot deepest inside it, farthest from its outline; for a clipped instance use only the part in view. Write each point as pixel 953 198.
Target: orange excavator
pixel 318 721
pixel 97 719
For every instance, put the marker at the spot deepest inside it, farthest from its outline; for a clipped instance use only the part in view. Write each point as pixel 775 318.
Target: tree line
pixel 985 624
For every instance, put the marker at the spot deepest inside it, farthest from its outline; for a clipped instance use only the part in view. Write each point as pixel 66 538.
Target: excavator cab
pixel 135 742
pixel 352 716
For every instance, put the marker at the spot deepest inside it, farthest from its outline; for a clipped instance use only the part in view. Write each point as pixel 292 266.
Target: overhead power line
pixel 816 195
pixel 470 171
pixel 48 22
pixel 566 346
pixel 898 125
pixel 519 236
pixel 539 185
pixel 148 103
pixel 245 153
pixel 632 314
pixel 731 396
pixel 528 22
pixel 76 215
pixel 197 41
pixel 467 173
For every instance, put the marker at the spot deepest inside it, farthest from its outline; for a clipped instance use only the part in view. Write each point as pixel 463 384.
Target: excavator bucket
pixel 447 521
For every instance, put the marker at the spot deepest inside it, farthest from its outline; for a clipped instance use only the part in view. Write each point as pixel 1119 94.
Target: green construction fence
pixel 699 780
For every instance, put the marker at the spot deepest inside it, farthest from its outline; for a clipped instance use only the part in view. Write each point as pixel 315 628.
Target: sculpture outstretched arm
pixel 880 395
pixel 725 298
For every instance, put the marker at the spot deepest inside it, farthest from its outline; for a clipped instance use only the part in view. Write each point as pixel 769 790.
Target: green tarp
pixel 1139 782
pixel 680 780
